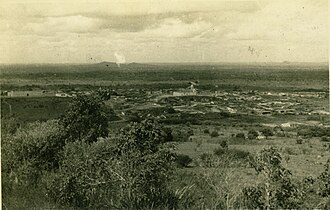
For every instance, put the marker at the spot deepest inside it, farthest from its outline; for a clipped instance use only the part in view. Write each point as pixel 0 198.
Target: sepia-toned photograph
pixel 164 104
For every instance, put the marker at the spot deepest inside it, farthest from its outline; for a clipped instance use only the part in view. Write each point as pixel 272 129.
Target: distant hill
pixel 128 65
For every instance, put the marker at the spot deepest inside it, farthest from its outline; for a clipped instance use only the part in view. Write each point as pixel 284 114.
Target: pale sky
pixel 81 31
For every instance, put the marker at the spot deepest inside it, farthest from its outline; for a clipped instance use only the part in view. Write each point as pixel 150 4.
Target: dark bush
pixel 325 138
pixel 214 134
pixel 224 144
pixel 240 136
pixel 239 154
pixel 267 132
pixel 206 131
pixel 234 154
pixel 168 134
pixel 219 151
pixel 183 160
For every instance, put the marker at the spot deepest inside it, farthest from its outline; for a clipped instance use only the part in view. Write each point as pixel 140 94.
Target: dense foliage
pixel 85 120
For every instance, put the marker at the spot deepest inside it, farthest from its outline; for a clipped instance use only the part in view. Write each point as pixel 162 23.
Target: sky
pixel 81 31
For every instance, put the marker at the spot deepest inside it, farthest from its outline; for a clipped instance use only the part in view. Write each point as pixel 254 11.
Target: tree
pixel 278 191
pixel 145 161
pixel 267 132
pixel 85 120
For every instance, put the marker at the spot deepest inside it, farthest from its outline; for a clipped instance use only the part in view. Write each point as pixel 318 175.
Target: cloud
pixel 69 24
pixel 284 21
pixel 176 28
pixel 160 31
pixel 46 8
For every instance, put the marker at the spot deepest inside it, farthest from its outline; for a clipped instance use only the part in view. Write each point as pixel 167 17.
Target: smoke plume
pixel 120 59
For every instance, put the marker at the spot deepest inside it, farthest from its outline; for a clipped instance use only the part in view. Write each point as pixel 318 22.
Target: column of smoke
pixel 120 59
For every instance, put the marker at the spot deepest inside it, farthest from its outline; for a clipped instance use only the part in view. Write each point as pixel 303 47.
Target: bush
pixel 325 138
pixel 224 144
pixel 35 148
pixel 214 134
pixel 183 160
pixel 168 134
pixel 240 136
pixel 131 171
pixel 250 198
pixel 206 131
pixel 87 176
pixel 85 120
pixel 267 132
pixel 239 154
pixel 252 134
pixel 219 151
pixel 280 191
pixel 233 154
pixel 324 181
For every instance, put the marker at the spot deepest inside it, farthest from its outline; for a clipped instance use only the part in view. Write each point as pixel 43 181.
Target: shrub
pixel 233 154
pixel 251 198
pixel 87 176
pixel 9 125
pixel 280 191
pixel 252 134
pixel 267 132
pixel 183 160
pixel 299 141
pixel 239 154
pixel 168 134
pixel 85 119
pixel 214 134
pixel 240 136
pixel 206 131
pixel 35 148
pixel 129 172
pixel 219 151
pixel 144 162
pixel 324 181
pixel 325 138
pixel 224 144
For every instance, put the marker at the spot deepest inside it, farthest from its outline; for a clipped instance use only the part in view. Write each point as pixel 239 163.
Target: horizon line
pixel 184 62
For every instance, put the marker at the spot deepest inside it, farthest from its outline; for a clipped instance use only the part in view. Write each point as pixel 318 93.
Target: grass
pixel 304 160
pixel 32 109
